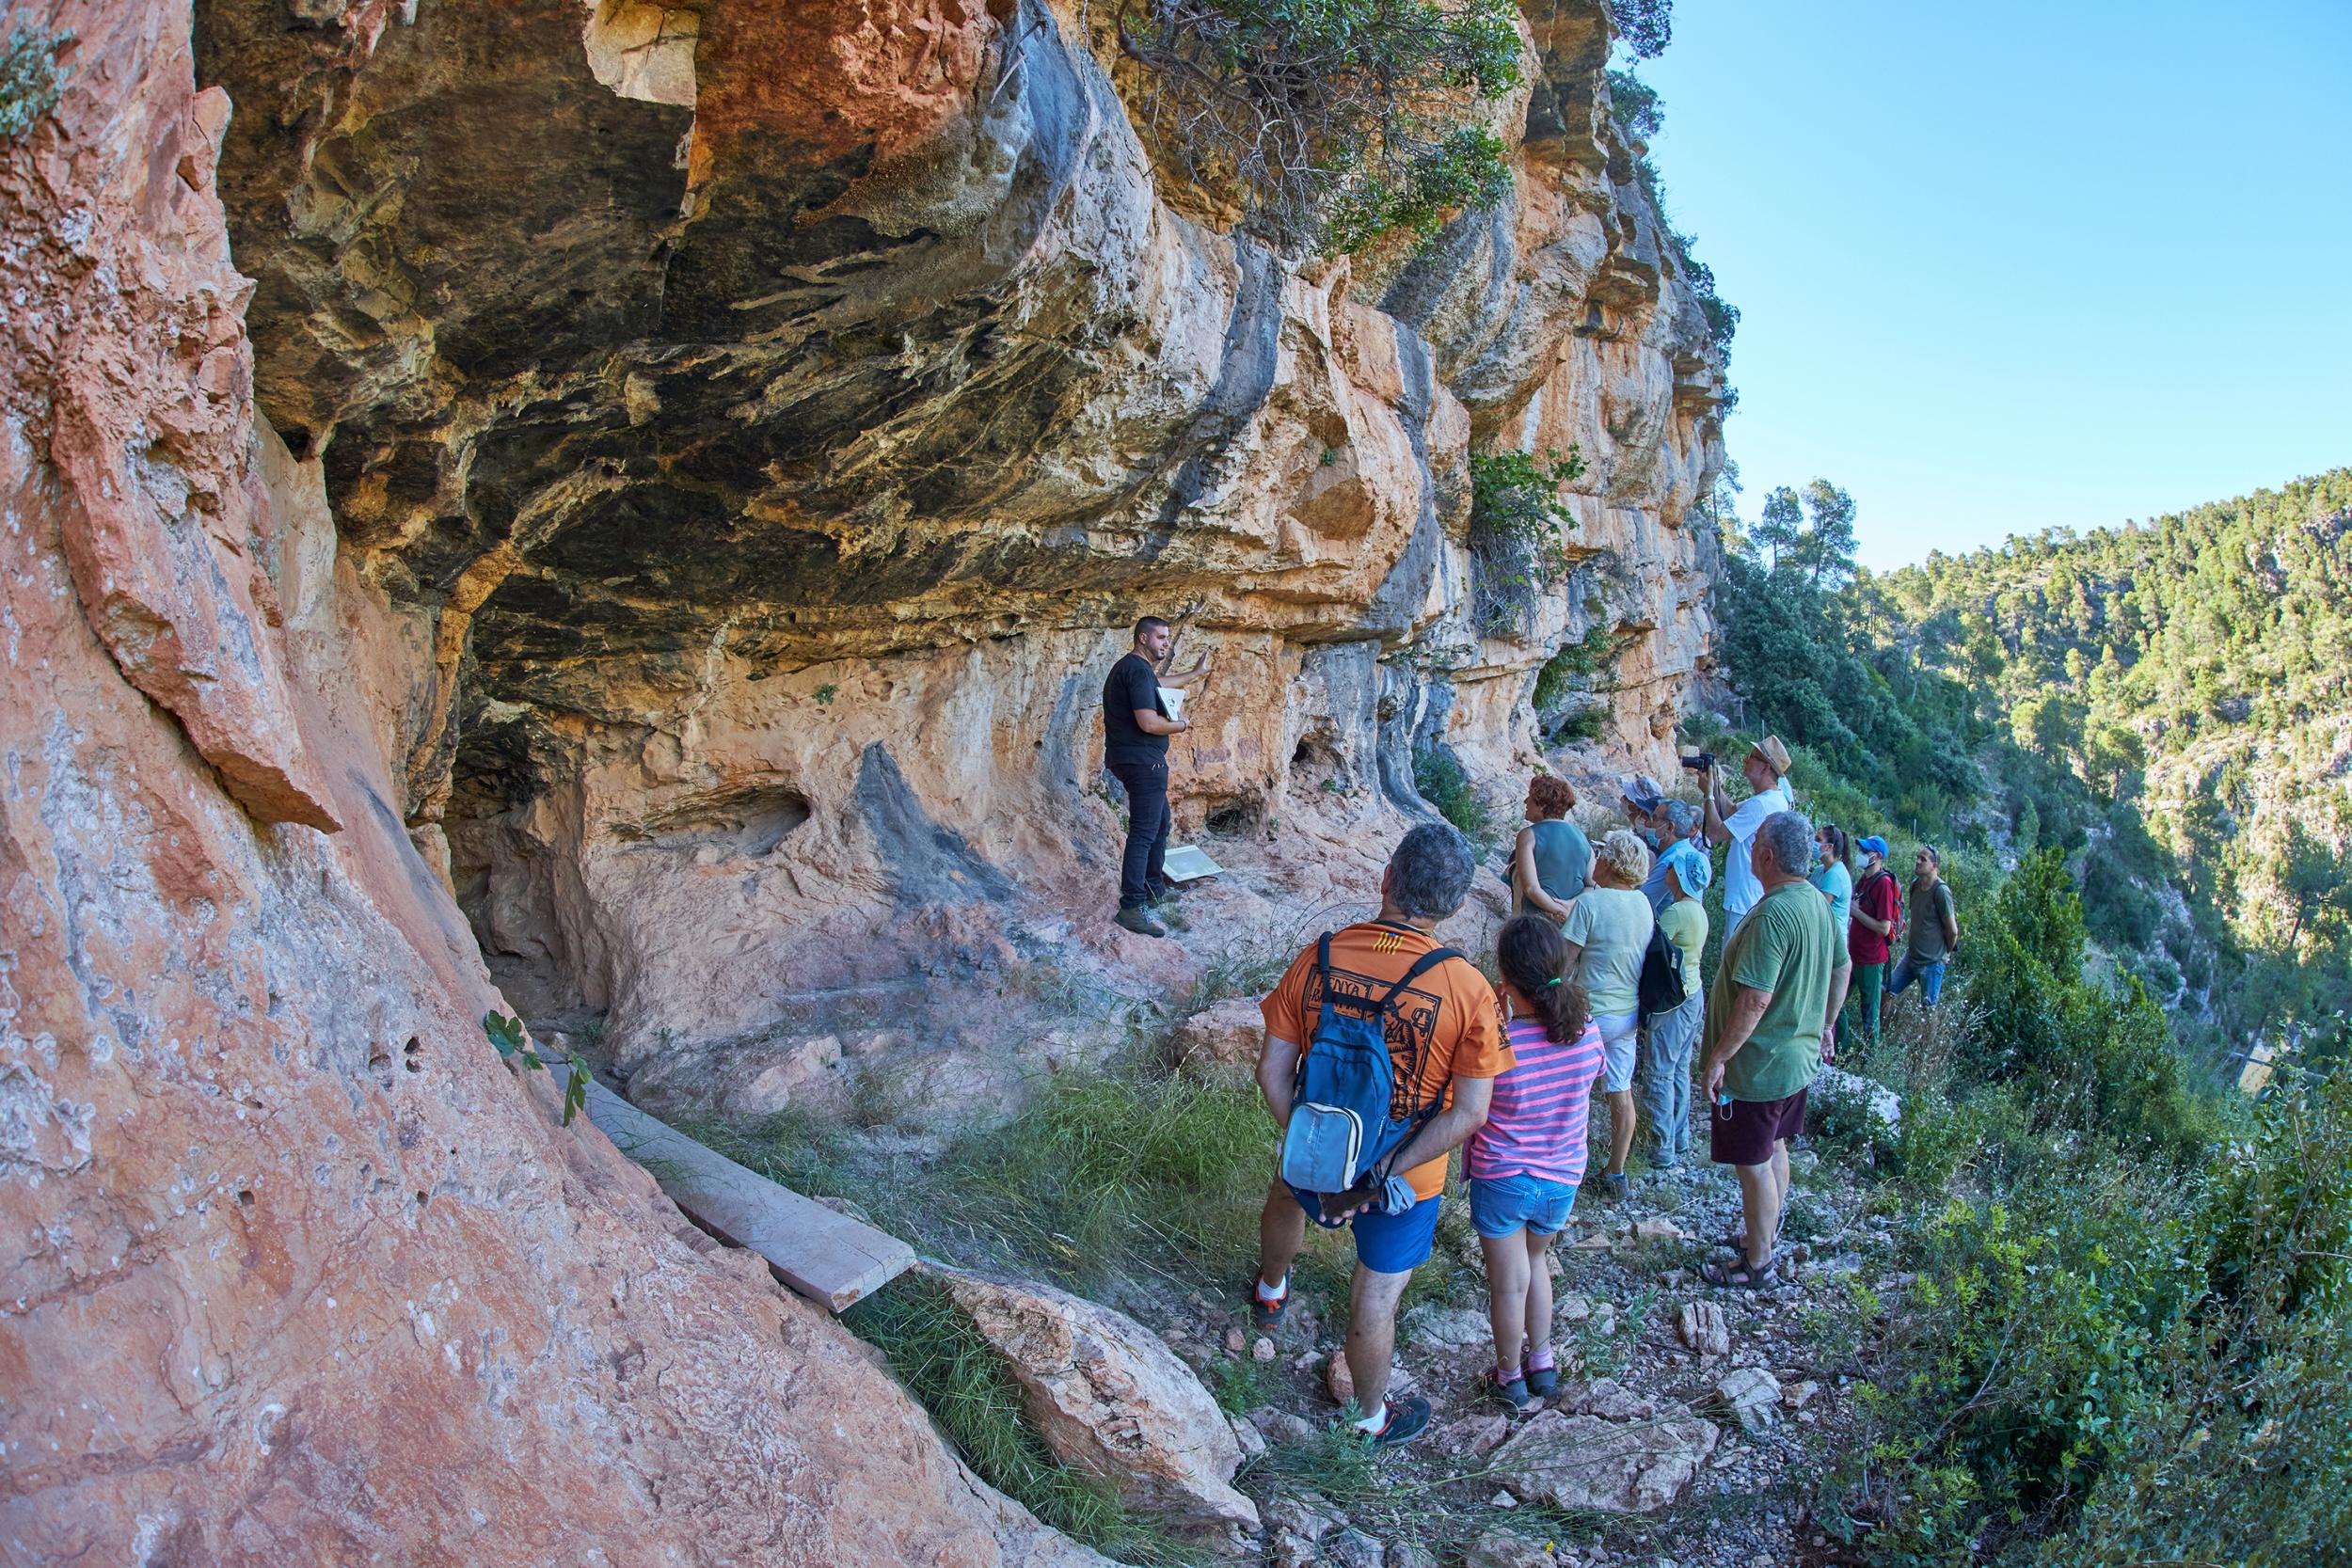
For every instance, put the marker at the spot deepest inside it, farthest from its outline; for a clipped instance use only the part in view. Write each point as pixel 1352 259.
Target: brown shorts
pixel 1744 1131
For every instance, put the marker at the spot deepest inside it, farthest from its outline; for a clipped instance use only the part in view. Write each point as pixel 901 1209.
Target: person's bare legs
pixel 1538 1294
pixel 1282 1232
pixel 1780 1183
pixel 1372 1334
pixel 1509 1307
pixel 1760 1191
pixel 1620 1129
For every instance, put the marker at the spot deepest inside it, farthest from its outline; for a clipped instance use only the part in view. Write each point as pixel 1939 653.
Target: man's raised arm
pixel 1200 668
pixel 1717 805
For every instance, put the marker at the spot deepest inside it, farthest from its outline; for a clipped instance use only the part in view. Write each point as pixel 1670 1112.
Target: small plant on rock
pixel 1516 519
pixel 1438 776
pixel 506 1032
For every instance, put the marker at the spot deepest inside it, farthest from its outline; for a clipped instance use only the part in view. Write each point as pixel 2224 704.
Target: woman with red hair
pixel 1552 861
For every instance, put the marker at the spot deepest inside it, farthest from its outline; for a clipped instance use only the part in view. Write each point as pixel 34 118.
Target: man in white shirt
pixel 1764 770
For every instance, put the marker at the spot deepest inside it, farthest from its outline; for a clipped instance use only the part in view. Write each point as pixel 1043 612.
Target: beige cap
pixel 1776 754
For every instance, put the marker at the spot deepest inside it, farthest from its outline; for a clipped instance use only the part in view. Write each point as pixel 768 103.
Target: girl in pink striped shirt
pixel 1525 1162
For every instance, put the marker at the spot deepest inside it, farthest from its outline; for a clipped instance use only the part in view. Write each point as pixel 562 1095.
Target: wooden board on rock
pixel 829 1257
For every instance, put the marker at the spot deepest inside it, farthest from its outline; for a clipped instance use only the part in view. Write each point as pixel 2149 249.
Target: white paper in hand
pixel 1172 702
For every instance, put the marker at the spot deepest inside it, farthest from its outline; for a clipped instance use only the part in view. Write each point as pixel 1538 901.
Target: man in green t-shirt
pixel 1773 1001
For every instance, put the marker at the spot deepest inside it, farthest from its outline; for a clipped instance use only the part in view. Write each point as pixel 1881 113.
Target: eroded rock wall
pixel 771 421
pixel 297 1273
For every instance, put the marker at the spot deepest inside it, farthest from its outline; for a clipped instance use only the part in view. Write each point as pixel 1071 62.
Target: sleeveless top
pixel 1564 861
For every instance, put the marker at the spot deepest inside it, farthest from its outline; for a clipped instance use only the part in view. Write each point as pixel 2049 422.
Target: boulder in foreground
pixel 1108 1397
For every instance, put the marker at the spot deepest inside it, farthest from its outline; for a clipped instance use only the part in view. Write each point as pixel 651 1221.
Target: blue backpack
pixel 1339 1128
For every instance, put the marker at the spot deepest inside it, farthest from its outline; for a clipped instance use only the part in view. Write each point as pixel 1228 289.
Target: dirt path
pixel 1623 1278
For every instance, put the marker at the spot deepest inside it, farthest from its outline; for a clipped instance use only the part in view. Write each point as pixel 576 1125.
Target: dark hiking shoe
pixel 1613 1189
pixel 1140 920
pixel 1266 1316
pixel 1511 1392
pixel 1408 1418
pixel 1542 1382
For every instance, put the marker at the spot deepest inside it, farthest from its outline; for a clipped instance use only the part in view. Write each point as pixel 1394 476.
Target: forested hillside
pixel 2124 1281
pixel 2169 703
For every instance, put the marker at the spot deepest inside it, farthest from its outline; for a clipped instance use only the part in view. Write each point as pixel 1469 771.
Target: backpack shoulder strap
pixel 1421 1115
pixel 1421 965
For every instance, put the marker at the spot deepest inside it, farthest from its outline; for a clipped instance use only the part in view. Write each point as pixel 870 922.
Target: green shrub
pixel 2247 1456
pixel 2026 1357
pixel 30 78
pixel 1517 520
pixel 1438 775
pixel 2094 1060
pixel 1563 674
pixel 2119 911
pixel 1340 120
pixel 1240 1383
pixel 1844 1128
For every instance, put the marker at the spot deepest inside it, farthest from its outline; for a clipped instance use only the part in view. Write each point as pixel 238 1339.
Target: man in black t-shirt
pixel 1135 727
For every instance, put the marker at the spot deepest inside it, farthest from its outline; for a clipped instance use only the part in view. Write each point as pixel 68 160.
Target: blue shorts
pixel 1501 1205
pixel 1907 968
pixel 1385 1243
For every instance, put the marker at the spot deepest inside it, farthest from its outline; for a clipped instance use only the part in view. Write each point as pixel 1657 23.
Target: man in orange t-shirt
pixel 1445 1037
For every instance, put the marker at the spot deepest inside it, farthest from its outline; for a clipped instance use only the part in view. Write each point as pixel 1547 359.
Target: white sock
pixel 1272 1294
pixel 1372 1424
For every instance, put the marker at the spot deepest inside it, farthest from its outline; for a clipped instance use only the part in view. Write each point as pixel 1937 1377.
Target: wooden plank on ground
pixel 829 1257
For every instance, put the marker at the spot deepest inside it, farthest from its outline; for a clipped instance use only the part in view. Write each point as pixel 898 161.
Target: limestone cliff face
pixel 297 1272
pixel 770 420
pixel 667 482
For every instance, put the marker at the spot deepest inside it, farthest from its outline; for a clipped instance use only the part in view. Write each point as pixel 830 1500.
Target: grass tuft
pixel 960 1378
pixel 1099 1176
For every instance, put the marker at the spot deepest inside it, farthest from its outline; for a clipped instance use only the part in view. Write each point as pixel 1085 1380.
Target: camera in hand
pixel 1703 762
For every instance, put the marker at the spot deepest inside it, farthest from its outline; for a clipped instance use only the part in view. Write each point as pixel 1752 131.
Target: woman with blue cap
pixel 1673 1034
pixel 1878 905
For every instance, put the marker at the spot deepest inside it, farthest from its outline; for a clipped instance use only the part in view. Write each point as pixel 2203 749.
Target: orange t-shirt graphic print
pixel 1447 1025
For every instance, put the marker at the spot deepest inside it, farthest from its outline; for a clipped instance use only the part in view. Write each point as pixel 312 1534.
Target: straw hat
pixel 1776 754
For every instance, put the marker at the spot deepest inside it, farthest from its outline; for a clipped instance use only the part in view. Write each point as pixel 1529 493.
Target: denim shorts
pixel 1501 1205
pixel 1385 1243
pixel 1929 975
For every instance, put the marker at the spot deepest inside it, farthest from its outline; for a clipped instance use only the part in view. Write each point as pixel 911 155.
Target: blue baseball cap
pixel 1691 866
pixel 1873 845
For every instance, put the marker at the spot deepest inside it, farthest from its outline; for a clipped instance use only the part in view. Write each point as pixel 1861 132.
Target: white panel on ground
pixel 829 1257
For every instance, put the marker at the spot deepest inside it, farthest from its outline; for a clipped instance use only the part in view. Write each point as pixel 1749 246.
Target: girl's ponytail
pixel 1533 958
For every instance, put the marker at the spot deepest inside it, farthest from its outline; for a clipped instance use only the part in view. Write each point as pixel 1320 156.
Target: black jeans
pixel 1142 874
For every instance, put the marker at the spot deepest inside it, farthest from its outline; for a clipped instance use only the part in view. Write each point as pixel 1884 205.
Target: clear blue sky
pixel 2004 265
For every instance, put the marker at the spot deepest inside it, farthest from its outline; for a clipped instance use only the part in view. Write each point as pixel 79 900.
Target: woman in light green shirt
pixel 1608 932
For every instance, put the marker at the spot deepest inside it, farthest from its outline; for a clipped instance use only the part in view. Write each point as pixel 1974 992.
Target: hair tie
pixel 1553 981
